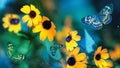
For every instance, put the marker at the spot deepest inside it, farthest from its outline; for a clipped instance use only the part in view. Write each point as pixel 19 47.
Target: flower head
pixel 75 60
pixel 71 39
pixel 61 35
pixel 100 57
pixel 12 22
pixel 32 15
pixel 46 29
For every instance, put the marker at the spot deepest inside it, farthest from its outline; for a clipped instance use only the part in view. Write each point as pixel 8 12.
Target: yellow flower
pixel 46 29
pixel 114 55
pixel 12 22
pixel 71 39
pixel 62 34
pixel 100 57
pixel 75 60
pixel 32 15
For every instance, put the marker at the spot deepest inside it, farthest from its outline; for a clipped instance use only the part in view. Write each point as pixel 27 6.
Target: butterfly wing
pixel 104 14
pixel 105 19
pixel 97 21
pixel 55 47
pixel 107 10
pixel 97 24
pixel 93 21
pixel 88 20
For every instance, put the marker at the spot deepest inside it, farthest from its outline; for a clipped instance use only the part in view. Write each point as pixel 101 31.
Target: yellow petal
pixel 69 47
pixel 32 7
pixel 15 16
pixel 37 11
pixel 51 34
pixel 74 33
pixel 80 65
pixel 36 29
pixel 17 28
pixel 25 9
pixel 76 50
pixel 105 56
pixel 25 18
pixel 50 38
pixel 81 57
pixel 39 18
pixel 6 20
pixel 5 25
pixel 29 23
pixel 106 64
pixel 10 28
pixel 109 64
pixel 104 51
pixel 43 35
pixel 68 66
pixel 8 16
pixel 99 63
pixel 35 22
pixel 16 31
pixel 76 38
pixel 73 43
pixel 100 66
pixel 99 49
pixel 85 61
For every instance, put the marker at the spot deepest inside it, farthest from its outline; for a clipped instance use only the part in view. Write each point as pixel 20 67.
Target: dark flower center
pixel 69 38
pixel 71 61
pixel 32 14
pixel 47 24
pixel 98 56
pixel 14 21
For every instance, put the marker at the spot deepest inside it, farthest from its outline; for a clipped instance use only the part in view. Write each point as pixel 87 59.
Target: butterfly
pixel 99 20
pixel 13 54
pixel 55 47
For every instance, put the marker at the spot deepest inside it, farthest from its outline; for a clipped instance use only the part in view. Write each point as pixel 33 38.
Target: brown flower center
pixel 98 56
pixel 14 21
pixel 32 14
pixel 71 61
pixel 47 24
pixel 69 38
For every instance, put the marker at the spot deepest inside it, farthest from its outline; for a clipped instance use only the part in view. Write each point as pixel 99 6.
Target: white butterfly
pixel 102 18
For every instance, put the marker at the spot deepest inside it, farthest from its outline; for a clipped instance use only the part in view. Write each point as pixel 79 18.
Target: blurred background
pixel 38 55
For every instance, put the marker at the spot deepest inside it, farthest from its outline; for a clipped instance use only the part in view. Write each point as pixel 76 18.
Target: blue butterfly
pixel 55 47
pixel 102 18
